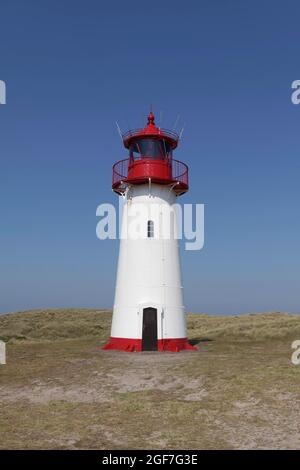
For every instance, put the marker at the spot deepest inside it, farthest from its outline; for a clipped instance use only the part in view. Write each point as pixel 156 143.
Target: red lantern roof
pixel 151 131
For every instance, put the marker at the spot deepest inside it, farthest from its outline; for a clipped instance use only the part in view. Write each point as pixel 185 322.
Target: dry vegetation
pixel 60 390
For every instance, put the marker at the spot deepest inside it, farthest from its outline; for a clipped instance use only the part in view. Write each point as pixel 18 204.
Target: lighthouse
pixel 148 313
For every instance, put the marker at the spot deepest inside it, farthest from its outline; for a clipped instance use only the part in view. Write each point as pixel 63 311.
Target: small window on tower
pixel 150 229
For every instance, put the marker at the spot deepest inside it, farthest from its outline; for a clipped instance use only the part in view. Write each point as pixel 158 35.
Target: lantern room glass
pixel 156 149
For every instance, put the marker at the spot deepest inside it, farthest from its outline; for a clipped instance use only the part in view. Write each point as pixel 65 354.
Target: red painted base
pixel 135 345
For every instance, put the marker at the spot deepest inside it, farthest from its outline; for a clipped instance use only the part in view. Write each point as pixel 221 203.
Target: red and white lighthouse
pixel 148 313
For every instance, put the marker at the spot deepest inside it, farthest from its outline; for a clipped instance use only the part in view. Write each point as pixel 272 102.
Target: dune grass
pixel 251 327
pixel 55 325
pixel 62 324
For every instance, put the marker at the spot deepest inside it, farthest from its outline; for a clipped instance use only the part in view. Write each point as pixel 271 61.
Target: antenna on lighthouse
pixel 176 122
pixel 181 132
pixel 119 131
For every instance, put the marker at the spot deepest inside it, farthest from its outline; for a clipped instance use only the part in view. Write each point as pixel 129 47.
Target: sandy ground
pixel 228 395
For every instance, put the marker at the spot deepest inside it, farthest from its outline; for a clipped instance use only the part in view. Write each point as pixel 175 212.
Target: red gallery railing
pixel 179 174
pixel 120 172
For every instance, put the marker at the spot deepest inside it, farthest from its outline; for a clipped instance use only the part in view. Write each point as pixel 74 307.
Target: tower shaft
pixel 149 274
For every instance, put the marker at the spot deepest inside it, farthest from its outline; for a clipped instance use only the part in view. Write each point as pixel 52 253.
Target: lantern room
pixel 150 159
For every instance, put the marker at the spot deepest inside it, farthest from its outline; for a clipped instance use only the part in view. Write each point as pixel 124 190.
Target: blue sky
pixel 72 68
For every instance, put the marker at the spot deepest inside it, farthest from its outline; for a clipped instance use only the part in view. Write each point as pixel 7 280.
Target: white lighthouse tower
pixel 148 312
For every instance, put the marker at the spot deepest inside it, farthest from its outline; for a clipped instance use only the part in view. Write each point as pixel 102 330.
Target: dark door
pixel 149 340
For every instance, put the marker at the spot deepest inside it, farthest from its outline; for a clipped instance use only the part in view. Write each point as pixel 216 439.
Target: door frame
pixel 150 343
pixel 160 318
